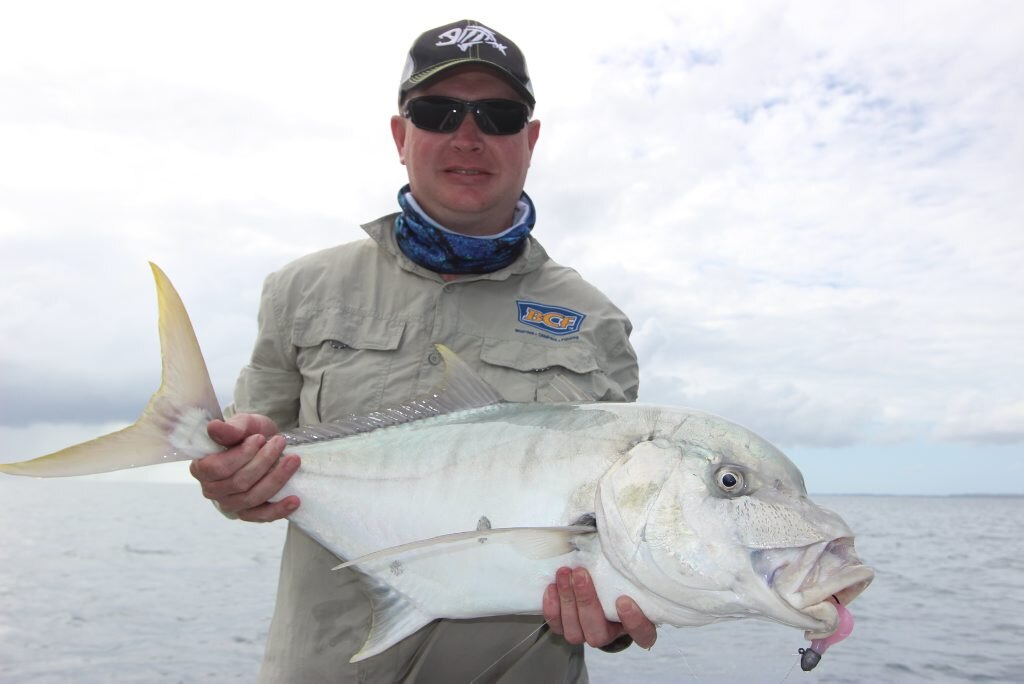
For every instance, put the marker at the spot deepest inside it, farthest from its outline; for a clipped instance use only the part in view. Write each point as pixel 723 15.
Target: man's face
pixel 466 180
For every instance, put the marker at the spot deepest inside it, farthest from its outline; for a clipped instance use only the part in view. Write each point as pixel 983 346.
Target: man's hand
pixel 572 609
pixel 242 479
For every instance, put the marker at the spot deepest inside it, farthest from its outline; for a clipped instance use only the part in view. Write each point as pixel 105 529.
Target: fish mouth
pixel 808 578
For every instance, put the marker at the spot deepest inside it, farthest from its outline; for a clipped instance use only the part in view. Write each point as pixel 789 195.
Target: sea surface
pixel 145 582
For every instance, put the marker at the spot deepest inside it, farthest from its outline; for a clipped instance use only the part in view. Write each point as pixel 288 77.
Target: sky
pixel 810 210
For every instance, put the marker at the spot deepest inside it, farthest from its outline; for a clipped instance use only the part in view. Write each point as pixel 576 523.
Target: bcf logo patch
pixel 556 320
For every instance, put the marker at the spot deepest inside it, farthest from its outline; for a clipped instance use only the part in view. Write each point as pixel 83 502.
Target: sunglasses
pixel 445 114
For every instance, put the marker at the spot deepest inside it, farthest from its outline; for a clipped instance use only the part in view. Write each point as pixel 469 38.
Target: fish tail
pixel 172 427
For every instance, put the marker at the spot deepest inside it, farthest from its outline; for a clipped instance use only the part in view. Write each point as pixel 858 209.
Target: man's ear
pixel 532 133
pixel 398 131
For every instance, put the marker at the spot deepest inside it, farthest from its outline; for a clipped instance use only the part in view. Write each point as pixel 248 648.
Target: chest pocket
pixel 522 371
pixel 345 359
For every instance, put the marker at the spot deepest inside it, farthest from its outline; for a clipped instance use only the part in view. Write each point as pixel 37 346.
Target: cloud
pixel 978 419
pixel 820 213
pixel 809 210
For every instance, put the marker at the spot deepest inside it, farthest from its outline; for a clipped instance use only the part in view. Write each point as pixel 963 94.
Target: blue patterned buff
pixel 434 247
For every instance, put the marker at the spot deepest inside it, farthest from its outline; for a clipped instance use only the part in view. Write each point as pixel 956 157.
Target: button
pixel 434 358
pixel 335 344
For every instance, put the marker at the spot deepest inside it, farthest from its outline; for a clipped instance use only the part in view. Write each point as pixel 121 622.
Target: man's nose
pixel 468 136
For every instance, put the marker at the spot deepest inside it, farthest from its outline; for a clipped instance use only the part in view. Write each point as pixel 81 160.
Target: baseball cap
pixel 465 42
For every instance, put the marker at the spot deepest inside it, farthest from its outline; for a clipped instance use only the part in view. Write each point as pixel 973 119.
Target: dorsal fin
pixel 460 389
pixel 565 390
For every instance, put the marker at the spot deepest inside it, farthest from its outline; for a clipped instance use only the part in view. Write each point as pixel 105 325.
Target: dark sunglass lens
pixel 445 114
pixel 501 117
pixel 439 114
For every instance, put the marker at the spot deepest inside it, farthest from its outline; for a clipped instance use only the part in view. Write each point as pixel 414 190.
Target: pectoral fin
pixel 532 542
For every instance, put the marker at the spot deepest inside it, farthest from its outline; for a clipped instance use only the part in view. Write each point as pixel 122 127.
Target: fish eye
pixel 729 480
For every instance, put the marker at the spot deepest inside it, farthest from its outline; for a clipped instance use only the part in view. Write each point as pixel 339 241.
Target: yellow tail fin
pixel 172 427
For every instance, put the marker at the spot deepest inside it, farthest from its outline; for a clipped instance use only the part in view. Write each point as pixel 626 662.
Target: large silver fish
pixel 438 501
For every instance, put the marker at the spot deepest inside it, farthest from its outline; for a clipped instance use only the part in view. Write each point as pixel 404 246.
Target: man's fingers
pixel 635 623
pixel 597 630
pixel 243 478
pixel 225 433
pixel 552 609
pixel 269 512
pixel 257 468
pixel 573 609
pixel 262 491
pixel 571 629
pixel 236 428
pixel 220 467
pixel 251 466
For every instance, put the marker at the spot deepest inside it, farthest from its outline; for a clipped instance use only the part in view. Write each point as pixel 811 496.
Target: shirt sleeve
pixel 622 368
pixel 270 384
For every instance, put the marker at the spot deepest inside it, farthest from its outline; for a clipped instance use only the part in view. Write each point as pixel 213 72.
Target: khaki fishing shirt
pixel 352 329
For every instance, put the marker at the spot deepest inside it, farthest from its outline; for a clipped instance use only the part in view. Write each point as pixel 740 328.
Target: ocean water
pixel 145 582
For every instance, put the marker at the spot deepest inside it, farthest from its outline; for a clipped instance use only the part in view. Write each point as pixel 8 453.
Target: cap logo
pixel 469 36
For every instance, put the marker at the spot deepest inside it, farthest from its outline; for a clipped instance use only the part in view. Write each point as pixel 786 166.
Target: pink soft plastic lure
pixel 810 657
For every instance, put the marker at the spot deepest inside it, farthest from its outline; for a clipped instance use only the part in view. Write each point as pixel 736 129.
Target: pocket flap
pixel 525 356
pixel 352 329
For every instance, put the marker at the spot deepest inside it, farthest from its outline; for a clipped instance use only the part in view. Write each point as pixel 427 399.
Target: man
pixel 351 329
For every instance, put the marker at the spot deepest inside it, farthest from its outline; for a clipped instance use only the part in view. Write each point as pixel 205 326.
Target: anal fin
pixel 394 618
